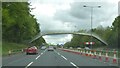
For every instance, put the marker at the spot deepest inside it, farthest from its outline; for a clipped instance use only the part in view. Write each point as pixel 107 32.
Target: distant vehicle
pixel 43 47
pixel 32 50
pixel 50 48
pixel 54 47
pixel 87 48
pixel 78 48
pixel 71 48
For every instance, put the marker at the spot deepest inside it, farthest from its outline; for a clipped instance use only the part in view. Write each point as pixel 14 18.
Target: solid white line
pixel 37 57
pixel 29 64
pixel 74 64
pixel 63 57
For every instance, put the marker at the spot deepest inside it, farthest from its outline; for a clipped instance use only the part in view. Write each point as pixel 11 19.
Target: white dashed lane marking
pixel 41 53
pixel 37 57
pixel 63 57
pixel 58 53
pixel 29 64
pixel 44 50
pixel 74 64
pixel 67 59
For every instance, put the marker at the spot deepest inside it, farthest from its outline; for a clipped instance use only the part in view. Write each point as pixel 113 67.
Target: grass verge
pixel 6 46
pixel 0 48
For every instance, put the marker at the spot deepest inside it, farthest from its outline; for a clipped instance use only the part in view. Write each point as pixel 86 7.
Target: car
pixel 71 48
pixel 43 47
pixel 87 48
pixel 50 48
pixel 32 50
pixel 54 47
pixel 79 48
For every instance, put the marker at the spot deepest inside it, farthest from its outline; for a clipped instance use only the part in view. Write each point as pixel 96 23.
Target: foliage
pixel 79 41
pixel 13 46
pixel 109 34
pixel 39 42
pixel 18 25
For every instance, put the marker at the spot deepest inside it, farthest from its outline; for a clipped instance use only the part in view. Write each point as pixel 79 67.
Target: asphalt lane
pixel 82 60
pixel 19 59
pixel 54 58
pixel 95 62
pixel 51 58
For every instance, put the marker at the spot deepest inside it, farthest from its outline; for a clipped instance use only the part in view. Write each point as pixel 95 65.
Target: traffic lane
pixel 81 60
pixel 103 59
pixel 19 59
pixel 50 58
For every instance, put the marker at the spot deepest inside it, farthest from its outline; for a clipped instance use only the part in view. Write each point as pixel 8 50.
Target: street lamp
pixel 92 7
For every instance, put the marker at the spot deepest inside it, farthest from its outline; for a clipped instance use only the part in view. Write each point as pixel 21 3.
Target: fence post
pixel 9 52
pixel 100 58
pixel 94 57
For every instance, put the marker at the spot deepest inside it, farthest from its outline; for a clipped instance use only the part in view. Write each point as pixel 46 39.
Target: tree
pixel 109 34
pixel 17 22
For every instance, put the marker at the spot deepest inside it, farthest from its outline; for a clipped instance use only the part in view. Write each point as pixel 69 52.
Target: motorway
pixel 56 59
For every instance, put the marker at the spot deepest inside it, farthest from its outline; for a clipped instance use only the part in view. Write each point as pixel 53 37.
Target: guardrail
pixel 104 56
pixel 15 51
pixel 103 52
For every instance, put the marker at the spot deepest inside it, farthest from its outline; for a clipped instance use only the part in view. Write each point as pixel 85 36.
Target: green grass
pixel 0 48
pixel 119 53
pixel 6 46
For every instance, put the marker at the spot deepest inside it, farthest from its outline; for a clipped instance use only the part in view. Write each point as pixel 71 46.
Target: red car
pixel 32 50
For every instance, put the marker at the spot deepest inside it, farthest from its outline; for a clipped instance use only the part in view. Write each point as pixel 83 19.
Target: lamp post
pixel 91 7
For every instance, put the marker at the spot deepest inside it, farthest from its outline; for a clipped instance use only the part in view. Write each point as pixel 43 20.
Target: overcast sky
pixel 70 15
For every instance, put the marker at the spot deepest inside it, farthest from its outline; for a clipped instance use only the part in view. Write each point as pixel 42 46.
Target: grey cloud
pixel 50 25
pixel 75 18
pixel 81 16
pixel 57 38
pixel 119 8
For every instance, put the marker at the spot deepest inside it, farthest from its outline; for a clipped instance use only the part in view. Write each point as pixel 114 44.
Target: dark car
pixel 54 47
